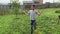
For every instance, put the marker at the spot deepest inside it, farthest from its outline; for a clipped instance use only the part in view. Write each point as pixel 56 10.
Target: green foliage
pixel 46 23
pixel 16 6
pixel 58 11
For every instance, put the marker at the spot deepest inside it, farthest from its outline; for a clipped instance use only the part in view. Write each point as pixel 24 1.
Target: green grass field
pixel 47 23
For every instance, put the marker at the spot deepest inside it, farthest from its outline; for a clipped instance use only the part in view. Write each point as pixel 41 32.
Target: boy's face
pixel 32 7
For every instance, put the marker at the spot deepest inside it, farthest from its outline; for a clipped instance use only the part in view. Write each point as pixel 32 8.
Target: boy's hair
pixel 33 5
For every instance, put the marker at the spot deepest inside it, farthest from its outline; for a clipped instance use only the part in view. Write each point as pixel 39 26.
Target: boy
pixel 32 14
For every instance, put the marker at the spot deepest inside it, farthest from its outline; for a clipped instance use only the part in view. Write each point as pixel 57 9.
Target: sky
pixel 44 1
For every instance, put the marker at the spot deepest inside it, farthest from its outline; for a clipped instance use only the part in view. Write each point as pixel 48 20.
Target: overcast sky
pixel 44 1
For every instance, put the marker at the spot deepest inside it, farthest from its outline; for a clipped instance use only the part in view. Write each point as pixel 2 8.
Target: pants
pixel 33 26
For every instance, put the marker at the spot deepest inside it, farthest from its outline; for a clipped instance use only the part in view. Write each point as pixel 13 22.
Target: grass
pixel 47 23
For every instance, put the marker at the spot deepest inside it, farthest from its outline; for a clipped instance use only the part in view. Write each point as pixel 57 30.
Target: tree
pixel 16 6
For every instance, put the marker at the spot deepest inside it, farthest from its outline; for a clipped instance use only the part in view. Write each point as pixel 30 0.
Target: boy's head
pixel 32 7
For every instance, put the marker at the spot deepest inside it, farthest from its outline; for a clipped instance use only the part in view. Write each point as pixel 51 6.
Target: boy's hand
pixel 38 13
pixel 25 12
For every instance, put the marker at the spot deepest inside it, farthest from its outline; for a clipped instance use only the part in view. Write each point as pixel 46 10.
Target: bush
pixel 59 16
pixel 58 11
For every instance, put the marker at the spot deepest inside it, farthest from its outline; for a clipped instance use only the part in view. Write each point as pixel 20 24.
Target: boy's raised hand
pixel 25 12
pixel 38 13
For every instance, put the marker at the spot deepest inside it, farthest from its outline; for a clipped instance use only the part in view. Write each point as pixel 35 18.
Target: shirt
pixel 32 14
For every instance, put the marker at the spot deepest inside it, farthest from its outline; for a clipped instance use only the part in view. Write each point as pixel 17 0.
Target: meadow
pixel 47 23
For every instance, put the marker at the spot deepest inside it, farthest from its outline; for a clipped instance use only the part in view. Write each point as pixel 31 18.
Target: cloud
pixel 4 1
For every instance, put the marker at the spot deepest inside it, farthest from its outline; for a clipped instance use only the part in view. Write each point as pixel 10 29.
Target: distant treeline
pixel 8 9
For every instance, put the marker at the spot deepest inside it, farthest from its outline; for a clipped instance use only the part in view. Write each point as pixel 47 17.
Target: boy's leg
pixel 31 26
pixel 31 29
pixel 34 25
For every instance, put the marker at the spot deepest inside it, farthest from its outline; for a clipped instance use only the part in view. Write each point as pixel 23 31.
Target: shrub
pixel 58 11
